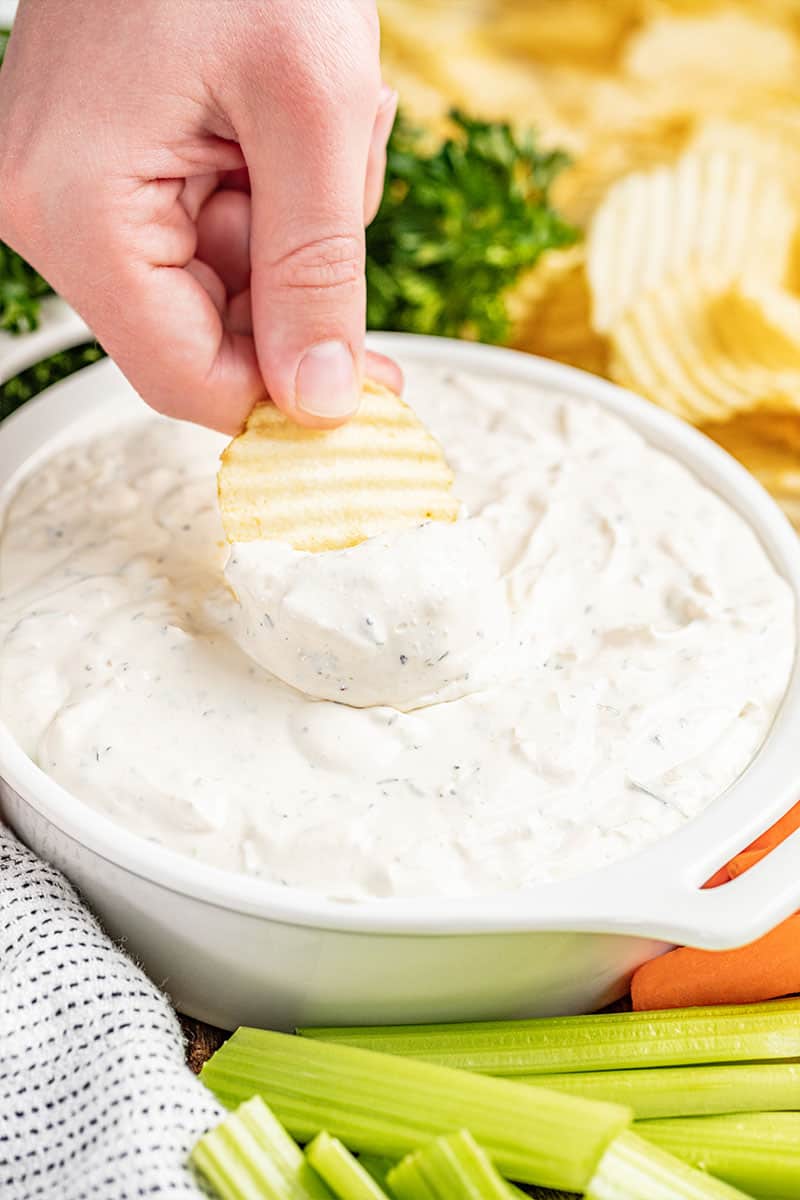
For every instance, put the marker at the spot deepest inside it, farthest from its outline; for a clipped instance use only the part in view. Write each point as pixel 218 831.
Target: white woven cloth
pixel 96 1102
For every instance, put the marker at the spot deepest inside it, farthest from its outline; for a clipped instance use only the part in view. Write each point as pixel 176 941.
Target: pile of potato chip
pixel 683 120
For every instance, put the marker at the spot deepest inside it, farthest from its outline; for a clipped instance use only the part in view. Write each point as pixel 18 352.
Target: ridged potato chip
pixel 771 138
pixel 759 325
pixel 329 489
pixel 751 439
pixel 728 51
pixel 556 320
pixel 678 345
pixel 683 121
pixel 610 155
pixel 714 214
pixel 780 431
pixel 661 348
pixel 571 30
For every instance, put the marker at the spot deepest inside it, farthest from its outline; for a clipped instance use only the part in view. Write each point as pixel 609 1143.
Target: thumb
pixel 307 176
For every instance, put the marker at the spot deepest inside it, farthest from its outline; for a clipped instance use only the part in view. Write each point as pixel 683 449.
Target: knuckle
pixel 324 264
pixel 331 66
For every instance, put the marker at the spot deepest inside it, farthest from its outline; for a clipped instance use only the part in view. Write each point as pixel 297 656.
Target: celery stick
pixel 344 1174
pixel 379 1104
pixel 408 1182
pixel 605 1042
pixel 757 1152
pixel 449 1168
pixel 631 1169
pixel 250 1156
pixel 686 1091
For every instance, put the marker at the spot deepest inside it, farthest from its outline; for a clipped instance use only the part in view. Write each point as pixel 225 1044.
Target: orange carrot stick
pixel 744 861
pixel 764 970
pixel 721 876
pixel 778 832
pixel 762 845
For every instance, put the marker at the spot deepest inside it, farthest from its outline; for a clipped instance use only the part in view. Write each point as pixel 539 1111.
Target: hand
pixel 194 178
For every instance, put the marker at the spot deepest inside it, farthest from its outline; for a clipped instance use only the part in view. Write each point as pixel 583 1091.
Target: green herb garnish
pixel 29 383
pixel 21 289
pixel 456 228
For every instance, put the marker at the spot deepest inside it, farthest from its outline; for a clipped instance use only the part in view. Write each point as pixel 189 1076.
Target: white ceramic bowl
pixel 232 949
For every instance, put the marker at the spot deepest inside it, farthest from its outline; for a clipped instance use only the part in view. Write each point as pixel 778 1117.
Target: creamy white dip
pixel 574 669
pixel 408 619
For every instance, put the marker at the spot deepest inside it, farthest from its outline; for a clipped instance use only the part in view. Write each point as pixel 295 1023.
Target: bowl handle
pixel 661 898
pixel 745 908
pixel 658 893
pixel 59 328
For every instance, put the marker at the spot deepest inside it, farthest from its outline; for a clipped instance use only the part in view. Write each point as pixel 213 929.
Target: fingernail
pixel 326 383
pixel 386 97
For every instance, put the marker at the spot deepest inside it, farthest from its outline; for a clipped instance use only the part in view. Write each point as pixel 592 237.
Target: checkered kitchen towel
pixel 96 1102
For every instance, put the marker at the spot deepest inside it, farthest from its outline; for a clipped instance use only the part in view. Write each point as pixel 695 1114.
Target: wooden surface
pixel 201 1041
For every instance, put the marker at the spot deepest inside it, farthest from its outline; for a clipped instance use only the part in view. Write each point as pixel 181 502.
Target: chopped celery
pixel 757 1152
pixel 686 1091
pixel 449 1168
pixel 610 1041
pixel 379 1104
pixel 631 1169
pixel 250 1156
pixel 344 1174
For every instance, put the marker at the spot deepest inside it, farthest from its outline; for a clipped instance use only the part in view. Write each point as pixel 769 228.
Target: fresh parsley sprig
pixel 21 290
pixel 457 226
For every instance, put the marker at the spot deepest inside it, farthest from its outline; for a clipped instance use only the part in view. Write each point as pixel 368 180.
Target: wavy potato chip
pixel 613 153
pixel 731 48
pixel 660 348
pixel 780 431
pixel 759 325
pixel 329 489
pixel 555 320
pixel 678 345
pixel 572 30
pixel 770 138
pixel 704 67
pixel 777 467
pixel 750 438
pixel 714 214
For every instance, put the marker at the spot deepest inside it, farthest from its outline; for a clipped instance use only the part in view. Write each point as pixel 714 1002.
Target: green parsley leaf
pixel 21 289
pixel 457 227
pixel 28 384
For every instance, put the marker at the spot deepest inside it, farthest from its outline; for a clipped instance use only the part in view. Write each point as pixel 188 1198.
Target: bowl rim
pixel 665 875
